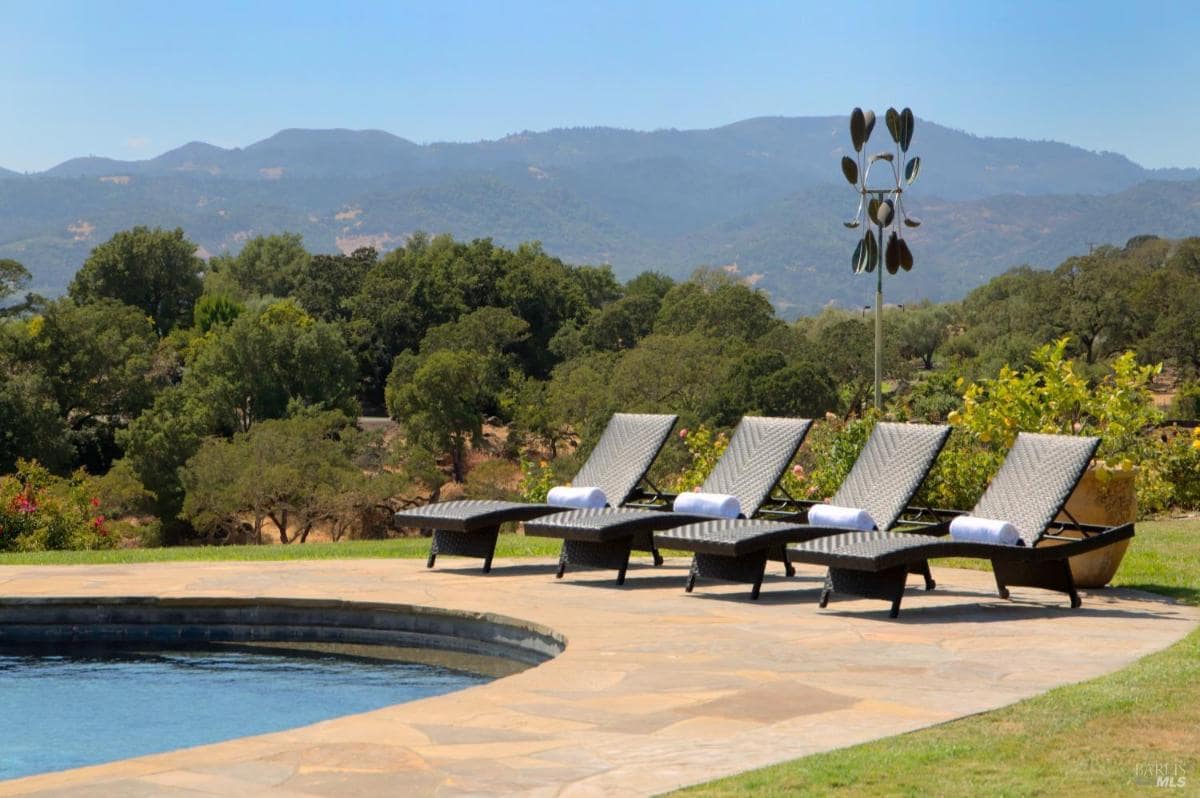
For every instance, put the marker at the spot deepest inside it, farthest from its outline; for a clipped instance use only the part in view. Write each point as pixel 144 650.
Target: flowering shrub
pixel 39 511
pixel 705 448
pixel 827 456
pixel 537 478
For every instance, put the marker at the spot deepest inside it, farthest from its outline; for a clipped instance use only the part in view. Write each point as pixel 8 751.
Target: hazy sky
pixel 131 79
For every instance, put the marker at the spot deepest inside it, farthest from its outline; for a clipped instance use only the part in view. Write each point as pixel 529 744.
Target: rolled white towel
pixel 845 517
pixel 973 529
pixel 579 498
pixel 710 505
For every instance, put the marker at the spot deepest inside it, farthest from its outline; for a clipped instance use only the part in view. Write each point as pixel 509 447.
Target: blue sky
pixel 132 79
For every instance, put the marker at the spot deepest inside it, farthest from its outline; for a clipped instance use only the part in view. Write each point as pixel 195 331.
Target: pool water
pixel 67 711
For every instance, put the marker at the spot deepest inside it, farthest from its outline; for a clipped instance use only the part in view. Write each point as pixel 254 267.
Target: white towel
pixel 710 505
pixel 579 498
pixel 973 529
pixel 845 517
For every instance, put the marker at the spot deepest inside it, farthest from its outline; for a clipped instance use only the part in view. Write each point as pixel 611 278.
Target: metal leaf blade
pixel 872 248
pixel 911 221
pixel 891 257
pixel 906 258
pixel 892 117
pixel 850 170
pixel 856 260
pixel 907 121
pixel 858 129
pixel 868 125
pixel 912 169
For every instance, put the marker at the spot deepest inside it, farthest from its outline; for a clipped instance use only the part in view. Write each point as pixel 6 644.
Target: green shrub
pixel 537 478
pixel 493 479
pixel 705 447
pixel 39 511
pixel 828 454
pixel 1054 395
pixel 961 473
pixel 1186 404
pixel 1181 466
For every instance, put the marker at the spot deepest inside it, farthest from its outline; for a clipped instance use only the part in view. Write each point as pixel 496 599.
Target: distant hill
pixel 763 195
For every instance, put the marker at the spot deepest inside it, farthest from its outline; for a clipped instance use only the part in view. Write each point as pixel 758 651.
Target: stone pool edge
pixel 187 621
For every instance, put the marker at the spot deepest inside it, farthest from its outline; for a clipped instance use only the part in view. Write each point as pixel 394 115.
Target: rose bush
pixel 39 511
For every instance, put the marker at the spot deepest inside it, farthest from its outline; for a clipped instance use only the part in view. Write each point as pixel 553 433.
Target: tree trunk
pixel 457 456
pixel 281 523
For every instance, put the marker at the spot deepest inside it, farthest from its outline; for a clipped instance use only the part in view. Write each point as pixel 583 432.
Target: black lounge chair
pixel 884 479
pixel 617 465
pixel 1029 491
pixel 757 455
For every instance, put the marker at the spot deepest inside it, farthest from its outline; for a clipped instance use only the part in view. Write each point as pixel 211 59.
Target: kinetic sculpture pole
pixel 884 209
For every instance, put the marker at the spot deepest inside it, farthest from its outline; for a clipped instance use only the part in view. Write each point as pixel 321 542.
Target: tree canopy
pixel 156 271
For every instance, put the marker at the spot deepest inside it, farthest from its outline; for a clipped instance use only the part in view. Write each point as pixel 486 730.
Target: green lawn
pixel 1082 740
pixel 1085 739
pixel 508 546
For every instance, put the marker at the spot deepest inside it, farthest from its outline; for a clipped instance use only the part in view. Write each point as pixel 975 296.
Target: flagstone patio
pixel 656 689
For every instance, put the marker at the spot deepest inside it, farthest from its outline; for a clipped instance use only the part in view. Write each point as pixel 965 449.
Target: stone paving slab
pixel 656 689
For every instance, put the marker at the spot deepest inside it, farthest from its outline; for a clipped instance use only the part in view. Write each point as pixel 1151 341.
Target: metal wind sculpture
pixel 884 209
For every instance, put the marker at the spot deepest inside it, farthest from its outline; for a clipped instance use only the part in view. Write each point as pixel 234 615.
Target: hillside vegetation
pixel 762 196
pixel 216 402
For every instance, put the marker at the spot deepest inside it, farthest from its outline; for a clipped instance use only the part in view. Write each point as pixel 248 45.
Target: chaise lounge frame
pixel 1030 491
pixel 885 477
pixel 753 463
pixel 617 465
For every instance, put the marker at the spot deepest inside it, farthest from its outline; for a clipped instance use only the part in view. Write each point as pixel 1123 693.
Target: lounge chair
pixel 757 455
pixel 1029 491
pixel 616 466
pixel 883 480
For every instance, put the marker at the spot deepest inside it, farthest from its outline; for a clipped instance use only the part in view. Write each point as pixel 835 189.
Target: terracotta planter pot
pixel 1104 496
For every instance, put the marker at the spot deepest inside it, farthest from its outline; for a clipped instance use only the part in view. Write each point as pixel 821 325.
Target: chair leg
pixel 827 590
pixel 658 558
pixel 433 550
pixel 923 570
pixel 562 561
pixel 476 543
pixel 1050 575
pixel 624 565
pixel 692 574
pixel 888 584
pixel 788 568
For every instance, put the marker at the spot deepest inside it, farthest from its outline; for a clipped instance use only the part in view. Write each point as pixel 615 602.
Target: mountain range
pixel 763 198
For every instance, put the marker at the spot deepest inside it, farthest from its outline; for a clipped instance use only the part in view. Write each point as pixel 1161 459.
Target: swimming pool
pixel 85 707
pixel 91 680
